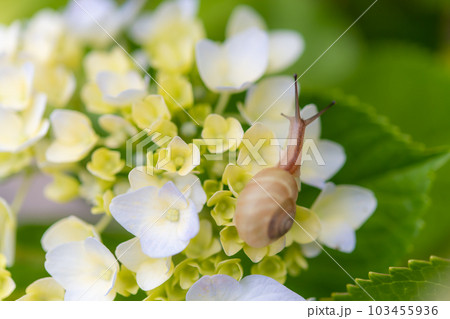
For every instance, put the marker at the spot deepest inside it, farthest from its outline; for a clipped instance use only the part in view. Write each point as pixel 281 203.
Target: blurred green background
pixel 396 58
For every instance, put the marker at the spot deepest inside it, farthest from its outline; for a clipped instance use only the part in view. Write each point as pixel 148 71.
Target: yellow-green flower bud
pixel 126 282
pixel 294 259
pixel 44 289
pixel 236 178
pixel 145 112
pixel 211 186
pixel 222 134
pixel 62 189
pixel 204 244
pixel 273 267
pixel 224 207
pixel 105 164
pixel 176 90
pixel 187 273
pixel 230 267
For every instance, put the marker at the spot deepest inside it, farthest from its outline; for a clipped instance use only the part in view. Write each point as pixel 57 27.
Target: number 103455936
pixel 403 310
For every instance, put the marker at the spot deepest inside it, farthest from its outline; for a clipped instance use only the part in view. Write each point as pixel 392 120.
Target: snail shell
pixel 261 229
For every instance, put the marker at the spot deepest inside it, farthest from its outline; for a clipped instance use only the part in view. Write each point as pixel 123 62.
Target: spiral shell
pixel 266 207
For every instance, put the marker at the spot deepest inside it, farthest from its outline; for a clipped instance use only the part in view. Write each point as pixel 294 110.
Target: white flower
pixel 83 16
pixel 163 219
pixel 236 64
pixel 86 269
pixel 16 86
pixel 10 39
pixel 19 131
pixel 250 288
pixel 150 272
pixel 189 185
pixel 121 89
pixel 7 233
pixel 67 230
pixel 285 46
pixel 266 101
pixel 74 137
pixel 312 171
pixel 342 210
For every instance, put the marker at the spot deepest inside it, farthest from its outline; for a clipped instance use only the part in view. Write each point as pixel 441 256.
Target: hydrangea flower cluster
pixel 141 131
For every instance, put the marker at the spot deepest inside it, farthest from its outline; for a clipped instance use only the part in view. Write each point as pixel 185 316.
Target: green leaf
pixel 421 280
pixel 411 85
pixel 399 172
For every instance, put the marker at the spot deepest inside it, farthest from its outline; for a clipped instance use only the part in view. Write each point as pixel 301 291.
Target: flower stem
pixel 21 193
pixel 222 103
pixel 103 223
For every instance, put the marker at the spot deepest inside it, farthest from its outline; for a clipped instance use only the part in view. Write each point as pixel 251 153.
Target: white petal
pixel 250 288
pixel 170 238
pixel 87 270
pixel 150 272
pixel 124 15
pixel 189 185
pixel 121 89
pixel 267 100
pixel 11 128
pixel 134 210
pixel 311 250
pixel 43 129
pixel 234 66
pixel 242 18
pixel 138 178
pixel 339 236
pixel 262 288
pixel 348 204
pixel 192 189
pixel 211 62
pixel 188 8
pixel 33 116
pixel 16 86
pixel 248 56
pixel 285 47
pixel 67 230
pixel 130 254
pixel 214 288
pixel 189 223
pixel 106 12
pixel 10 36
pixel 154 273
pixel 317 174
pixel 74 136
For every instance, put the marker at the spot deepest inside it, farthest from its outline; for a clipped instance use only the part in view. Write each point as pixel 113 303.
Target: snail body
pixel 265 208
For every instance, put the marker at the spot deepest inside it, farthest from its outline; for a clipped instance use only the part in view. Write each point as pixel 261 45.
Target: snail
pixel 265 208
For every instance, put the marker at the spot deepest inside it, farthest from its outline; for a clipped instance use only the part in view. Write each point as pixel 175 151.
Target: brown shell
pixel 266 207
